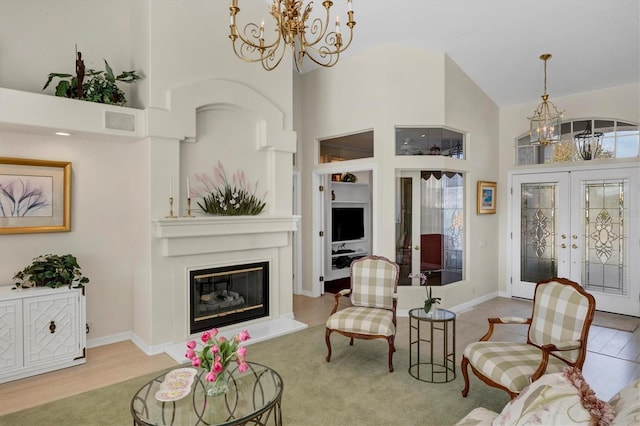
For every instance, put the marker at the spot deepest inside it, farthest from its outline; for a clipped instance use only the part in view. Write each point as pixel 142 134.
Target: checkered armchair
pixel 372 314
pixel 557 337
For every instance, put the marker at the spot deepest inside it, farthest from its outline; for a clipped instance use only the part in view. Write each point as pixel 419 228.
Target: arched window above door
pixel 619 139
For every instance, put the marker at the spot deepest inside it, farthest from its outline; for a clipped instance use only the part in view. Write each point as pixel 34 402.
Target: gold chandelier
pixel 315 41
pixel 546 120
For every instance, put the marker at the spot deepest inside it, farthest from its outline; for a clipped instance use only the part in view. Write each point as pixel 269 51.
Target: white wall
pixel 622 102
pixel 40 37
pixel 104 198
pixel 119 188
pixel 391 86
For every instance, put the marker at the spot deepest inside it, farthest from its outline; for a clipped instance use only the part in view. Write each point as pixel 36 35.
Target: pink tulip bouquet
pixel 217 352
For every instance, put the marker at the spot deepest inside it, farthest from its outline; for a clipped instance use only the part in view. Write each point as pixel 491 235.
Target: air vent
pixel 119 121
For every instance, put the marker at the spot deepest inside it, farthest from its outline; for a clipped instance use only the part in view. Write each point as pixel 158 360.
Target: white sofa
pixel 562 399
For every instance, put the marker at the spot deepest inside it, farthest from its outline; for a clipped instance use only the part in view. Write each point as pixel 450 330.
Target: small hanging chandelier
pixel 545 122
pixel 315 42
pixel 588 143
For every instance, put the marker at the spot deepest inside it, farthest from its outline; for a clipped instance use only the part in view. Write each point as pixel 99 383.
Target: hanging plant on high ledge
pixel 223 198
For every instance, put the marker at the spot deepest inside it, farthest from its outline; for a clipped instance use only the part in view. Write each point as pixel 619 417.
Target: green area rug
pixel 355 388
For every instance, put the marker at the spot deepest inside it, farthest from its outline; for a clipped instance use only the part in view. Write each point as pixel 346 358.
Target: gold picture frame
pixel 35 196
pixel 486 197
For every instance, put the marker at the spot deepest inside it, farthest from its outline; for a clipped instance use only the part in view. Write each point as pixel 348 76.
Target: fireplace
pixel 228 295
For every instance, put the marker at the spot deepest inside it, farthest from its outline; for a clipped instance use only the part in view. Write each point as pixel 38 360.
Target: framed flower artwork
pixel 35 196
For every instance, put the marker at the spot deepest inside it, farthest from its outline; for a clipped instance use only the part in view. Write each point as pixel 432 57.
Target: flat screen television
pixel 347 223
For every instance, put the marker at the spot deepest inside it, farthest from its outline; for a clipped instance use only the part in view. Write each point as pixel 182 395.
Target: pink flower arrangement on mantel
pixel 217 352
pixel 221 197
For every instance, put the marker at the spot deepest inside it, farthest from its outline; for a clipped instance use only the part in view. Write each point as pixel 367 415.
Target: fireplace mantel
pixel 196 235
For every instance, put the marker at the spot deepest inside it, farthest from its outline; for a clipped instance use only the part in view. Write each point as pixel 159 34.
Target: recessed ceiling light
pixel 63 134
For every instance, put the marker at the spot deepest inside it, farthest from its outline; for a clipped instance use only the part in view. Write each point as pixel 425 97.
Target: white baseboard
pixel 107 340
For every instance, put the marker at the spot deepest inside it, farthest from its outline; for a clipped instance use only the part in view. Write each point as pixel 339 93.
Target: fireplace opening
pixel 228 295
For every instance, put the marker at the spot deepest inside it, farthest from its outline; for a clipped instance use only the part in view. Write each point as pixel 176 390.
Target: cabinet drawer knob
pixel 52 327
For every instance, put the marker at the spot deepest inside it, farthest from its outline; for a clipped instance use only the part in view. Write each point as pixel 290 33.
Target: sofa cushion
pixel 626 404
pixel 558 399
pixel 477 417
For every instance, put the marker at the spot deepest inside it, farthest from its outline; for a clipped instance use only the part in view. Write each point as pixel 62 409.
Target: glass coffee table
pixel 254 397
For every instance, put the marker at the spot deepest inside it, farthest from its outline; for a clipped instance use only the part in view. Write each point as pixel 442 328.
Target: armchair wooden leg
pixel 328 341
pixel 465 374
pixel 392 349
pixel 351 342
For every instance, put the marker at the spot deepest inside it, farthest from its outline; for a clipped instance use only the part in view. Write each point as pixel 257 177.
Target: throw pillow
pixel 557 399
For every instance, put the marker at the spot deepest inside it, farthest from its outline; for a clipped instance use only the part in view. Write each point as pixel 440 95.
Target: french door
pixel 582 225
pixel 429 226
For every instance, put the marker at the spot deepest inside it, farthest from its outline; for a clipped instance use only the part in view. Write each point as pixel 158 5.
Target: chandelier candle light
pixel 313 41
pixel 545 122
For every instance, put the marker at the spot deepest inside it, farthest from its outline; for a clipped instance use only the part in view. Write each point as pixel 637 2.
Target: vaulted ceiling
pixel 595 43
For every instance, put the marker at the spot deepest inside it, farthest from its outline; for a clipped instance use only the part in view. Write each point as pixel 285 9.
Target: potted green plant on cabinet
pixel 53 271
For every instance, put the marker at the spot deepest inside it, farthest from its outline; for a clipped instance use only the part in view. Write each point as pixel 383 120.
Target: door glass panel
pixel 537 239
pixel 453 212
pixel 604 237
pixel 404 251
pixel 441 226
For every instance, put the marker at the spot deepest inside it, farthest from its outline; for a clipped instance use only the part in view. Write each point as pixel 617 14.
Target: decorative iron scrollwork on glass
pixel 539 232
pixel 603 236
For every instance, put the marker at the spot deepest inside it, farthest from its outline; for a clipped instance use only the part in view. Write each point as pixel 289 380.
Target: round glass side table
pixel 432 345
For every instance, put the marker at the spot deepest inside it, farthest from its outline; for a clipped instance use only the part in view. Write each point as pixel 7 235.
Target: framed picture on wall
pixel 35 196
pixel 486 197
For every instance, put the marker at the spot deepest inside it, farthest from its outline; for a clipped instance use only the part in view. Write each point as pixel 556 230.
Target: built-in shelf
pixel 37 113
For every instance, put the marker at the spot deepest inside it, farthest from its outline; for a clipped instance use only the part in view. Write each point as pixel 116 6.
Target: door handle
pixel 563 245
pixel 563 236
pixel 416 248
pixel 574 246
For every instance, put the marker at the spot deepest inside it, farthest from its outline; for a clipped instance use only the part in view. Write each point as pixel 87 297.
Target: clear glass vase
pixel 219 386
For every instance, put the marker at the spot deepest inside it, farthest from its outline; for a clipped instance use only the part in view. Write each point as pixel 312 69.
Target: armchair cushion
pixel 363 274
pixel 510 364
pixel 356 319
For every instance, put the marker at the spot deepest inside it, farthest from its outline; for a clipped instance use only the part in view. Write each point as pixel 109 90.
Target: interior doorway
pixel 343 226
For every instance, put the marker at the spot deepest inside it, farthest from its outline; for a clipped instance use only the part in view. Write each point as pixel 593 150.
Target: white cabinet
pixel 41 329
pixel 348 227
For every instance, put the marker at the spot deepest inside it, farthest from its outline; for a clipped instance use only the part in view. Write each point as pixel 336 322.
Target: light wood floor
pixel 613 360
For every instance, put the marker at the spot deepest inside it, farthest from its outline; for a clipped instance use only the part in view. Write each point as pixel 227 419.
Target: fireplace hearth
pixel 228 295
